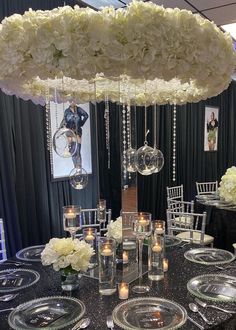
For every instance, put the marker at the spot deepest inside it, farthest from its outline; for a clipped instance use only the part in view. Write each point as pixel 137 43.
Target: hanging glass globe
pixel 78 178
pixel 145 160
pixel 131 160
pixel 158 160
pixel 64 142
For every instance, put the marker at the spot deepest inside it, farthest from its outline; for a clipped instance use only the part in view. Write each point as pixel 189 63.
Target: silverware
pixel 194 322
pixel 82 324
pixel 8 297
pixel 181 246
pixel 203 304
pixel 15 263
pixel 7 309
pixel 110 323
pixel 194 308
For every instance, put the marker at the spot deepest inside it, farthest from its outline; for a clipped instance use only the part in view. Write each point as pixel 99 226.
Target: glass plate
pixel 149 313
pixel 31 253
pixel 209 256
pixel 15 279
pixel 207 196
pixel 213 287
pixel 172 241
pixel 47 313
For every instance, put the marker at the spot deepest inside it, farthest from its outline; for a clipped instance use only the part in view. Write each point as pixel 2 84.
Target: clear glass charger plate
pixel 172 241
pixel 31 253
pixel 213 287
pixel 209 256
pixel 207 197
pixel 149 313
pixel 48 313
pixel 216 202
pixel 15 279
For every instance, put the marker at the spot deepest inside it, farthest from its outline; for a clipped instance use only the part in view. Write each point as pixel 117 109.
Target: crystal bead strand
pixel 128 122
pixel 107 130
pixel 124 140
pixel 174 144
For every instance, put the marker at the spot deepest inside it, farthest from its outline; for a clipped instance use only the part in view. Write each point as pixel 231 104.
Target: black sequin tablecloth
pixel 173 287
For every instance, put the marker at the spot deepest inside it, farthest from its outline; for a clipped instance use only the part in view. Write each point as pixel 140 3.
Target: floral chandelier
pixel 145 54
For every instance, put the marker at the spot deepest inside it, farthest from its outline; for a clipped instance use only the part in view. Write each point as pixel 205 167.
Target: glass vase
pixel 69 279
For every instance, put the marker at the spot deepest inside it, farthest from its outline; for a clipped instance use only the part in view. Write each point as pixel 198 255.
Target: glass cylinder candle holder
pixel 107 266
pixel 90 237
pixel 71 219
pixel 101 210
pixel 158 227
pixel 142 227
pixel 123 289
pixel 155 258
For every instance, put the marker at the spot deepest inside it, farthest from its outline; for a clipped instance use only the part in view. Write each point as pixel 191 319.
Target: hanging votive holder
pixel 155 258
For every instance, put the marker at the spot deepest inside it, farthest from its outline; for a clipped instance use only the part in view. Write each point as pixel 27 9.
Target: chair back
pixel 198 224
pixel 89 218
pixel 206 187
pixel 180 206
pixel 3 252
pixel 176 193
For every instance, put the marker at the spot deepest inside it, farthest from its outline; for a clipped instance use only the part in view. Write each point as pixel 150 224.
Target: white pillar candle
pixel 123 290
pixel 165 264
pixel 125 257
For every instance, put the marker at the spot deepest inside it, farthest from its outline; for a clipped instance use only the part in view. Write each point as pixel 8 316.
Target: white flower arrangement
pixel 114 230
pixel 143 41
pixel 65 252
pixel 227 187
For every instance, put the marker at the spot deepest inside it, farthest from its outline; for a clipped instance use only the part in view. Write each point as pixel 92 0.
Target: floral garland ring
pixel 143 41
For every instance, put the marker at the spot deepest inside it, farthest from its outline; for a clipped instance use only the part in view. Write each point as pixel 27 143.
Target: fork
pixel 203 304
pixel 15 263
pixel 110 323
pixel 225 267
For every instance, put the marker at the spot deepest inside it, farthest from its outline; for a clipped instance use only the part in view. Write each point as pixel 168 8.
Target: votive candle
pixel 165 264
pixel 123 290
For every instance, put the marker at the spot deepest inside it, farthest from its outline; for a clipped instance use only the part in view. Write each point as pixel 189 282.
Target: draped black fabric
pixel 30 204
pixel 192 162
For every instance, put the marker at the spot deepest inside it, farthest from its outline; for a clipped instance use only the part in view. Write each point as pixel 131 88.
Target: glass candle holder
pixel 107 266
pixel 101 210
pixel 123 289
pixel 155 258
pixel 90 237
pixel 142 228
pixel 158 227
pixel 71 219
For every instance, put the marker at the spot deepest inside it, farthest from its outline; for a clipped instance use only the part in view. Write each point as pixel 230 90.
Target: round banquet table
pixel 98 307
pixel 220 223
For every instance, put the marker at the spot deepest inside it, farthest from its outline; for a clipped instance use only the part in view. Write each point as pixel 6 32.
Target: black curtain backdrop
pixel 30 203
pixel 192 162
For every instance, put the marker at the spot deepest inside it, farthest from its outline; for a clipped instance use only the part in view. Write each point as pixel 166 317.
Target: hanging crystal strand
pixel 128 122
pixel 174 143
pixel 48 122
pixel 124 140
pixel 107 129
pixel 155 125
pixel 56 112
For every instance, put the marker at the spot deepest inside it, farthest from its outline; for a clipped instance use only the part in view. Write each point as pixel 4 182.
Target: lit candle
pixel 143 222
pixel 156 248
pixel 159 229
pixel 89 237
pixel 125 257
pixel 70 214
pixel 123 290
pixel 165 264
pixel 106 251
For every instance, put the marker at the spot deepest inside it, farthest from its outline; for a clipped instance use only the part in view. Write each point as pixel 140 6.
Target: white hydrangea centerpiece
pixel 114 230
pixel 227 187
pixel 65 253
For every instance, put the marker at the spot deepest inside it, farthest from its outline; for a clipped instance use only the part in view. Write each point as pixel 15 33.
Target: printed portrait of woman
pixel 211 128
